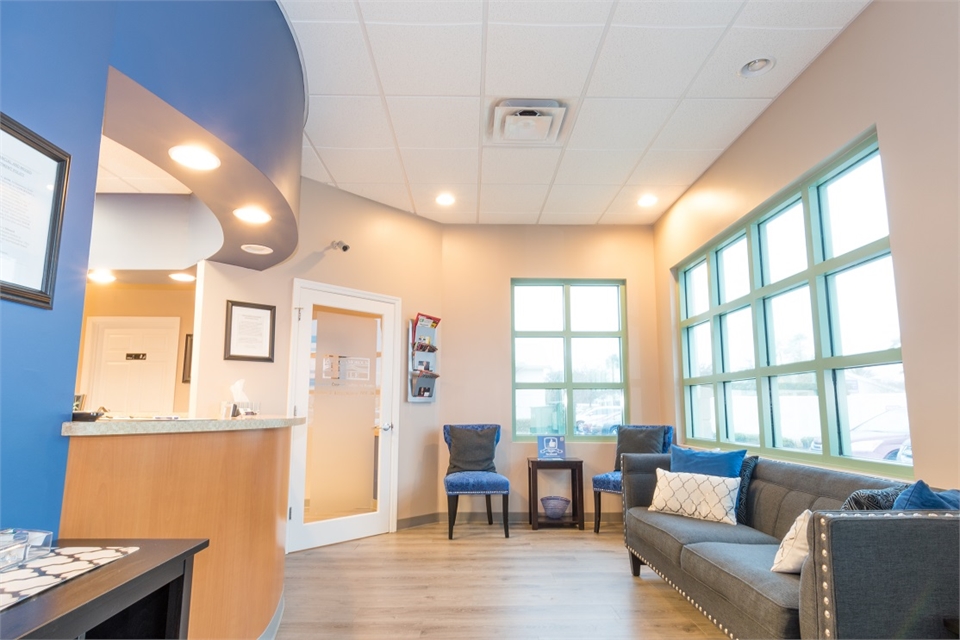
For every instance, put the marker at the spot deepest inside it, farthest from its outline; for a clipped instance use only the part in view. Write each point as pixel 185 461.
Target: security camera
pixel 343 246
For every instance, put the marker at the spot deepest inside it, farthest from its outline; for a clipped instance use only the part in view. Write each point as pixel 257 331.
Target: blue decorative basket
pixel 555 506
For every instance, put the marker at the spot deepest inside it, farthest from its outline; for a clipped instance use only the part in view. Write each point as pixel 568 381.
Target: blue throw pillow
pixel 711 463
pixel 921 496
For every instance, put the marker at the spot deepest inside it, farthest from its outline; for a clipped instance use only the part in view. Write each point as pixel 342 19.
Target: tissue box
pixel 20 545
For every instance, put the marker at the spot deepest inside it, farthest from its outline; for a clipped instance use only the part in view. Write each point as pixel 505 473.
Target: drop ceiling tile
pixel 793 50
pixel 673 166
pixel 334 11
pixel 436 12
pixel 527 61
pixel 639 217
pixel 508 218
pixel 709 124
pixel 641 62
pixel 394 195
pixel 597 166
pixel 647 13
pixel 362 165
pixel 619 123
pixel 580 199
pixel 442 122
pixel 348 122
pixel 440 166
pixel 425 200
pixel 542 12
pixel 800 14
pixel 336 58
pixel 626 201
pixel 511 165
pixel 569 218
pixel 512 198
pixel 427 60
pixel 450 217
pixel 311 167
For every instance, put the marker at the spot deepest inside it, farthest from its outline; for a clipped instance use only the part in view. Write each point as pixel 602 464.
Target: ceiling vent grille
pixel 527 121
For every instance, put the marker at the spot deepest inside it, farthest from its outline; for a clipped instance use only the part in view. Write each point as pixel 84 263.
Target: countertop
pixel 185 425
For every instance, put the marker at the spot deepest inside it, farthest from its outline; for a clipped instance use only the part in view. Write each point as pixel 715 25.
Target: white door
pixel 343 462
pixel 130 364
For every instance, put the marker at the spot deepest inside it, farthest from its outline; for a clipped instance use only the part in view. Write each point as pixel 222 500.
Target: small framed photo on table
pixel 33 188
pixel 249 332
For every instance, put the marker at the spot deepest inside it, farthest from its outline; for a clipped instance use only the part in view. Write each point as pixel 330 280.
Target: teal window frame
pixel 825 362
pixel 567 334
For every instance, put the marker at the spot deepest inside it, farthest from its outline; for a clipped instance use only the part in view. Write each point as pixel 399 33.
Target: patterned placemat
pixel 61 564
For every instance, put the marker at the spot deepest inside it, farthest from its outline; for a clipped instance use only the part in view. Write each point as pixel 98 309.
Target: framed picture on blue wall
pixel 33 187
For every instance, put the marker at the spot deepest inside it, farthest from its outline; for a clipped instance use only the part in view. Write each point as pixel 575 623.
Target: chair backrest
pixel 667 433
pixel 475 427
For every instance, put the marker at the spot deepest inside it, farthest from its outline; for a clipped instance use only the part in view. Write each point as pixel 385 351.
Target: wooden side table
pixel 575 465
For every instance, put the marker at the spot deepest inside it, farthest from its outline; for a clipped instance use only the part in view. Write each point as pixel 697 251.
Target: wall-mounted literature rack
pixel 423 358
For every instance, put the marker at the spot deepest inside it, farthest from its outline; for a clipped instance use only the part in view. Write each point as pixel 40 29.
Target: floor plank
pixel 552 583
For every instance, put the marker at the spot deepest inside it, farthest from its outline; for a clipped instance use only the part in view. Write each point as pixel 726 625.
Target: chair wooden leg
pixel 506 516
pixel 596 512
pixel 635 563
pixel 489 510
pixel 451 514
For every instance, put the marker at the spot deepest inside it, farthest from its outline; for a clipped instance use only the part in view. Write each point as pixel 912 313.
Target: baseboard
pixel 417 521
pixel 270 633
pixel 516 517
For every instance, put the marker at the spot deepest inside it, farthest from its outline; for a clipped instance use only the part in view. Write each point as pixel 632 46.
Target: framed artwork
pixel 249 332
pixel 33 187
pixel 187 356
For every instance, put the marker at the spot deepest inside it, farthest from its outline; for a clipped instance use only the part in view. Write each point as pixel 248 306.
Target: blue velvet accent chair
pixel 611 481
pixel 486 483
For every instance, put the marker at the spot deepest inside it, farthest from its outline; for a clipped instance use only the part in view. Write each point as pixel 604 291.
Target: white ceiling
pixel 401 98
pixel 123 170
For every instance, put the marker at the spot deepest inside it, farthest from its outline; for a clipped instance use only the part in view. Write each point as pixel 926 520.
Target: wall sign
pixel 249 332
pixel 33 186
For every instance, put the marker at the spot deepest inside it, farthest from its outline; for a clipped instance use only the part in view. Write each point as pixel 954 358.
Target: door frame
pixel 299 433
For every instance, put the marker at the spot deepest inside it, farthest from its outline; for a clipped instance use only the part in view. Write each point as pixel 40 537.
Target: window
pixel 789 327
pixel 569 358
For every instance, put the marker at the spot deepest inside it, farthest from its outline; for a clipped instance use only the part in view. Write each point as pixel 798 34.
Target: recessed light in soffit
pixel 517 121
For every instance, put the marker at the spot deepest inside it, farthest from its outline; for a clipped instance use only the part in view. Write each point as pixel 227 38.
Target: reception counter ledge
pixel 225 480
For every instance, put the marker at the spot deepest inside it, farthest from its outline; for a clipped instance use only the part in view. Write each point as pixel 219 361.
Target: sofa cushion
pixel 696 495
pixel 742 573
pixel 472 449
pixel 794 549
pixel 920 496
pixel 714 463
pixel 873 499
pixel 669 533
pixel 746 474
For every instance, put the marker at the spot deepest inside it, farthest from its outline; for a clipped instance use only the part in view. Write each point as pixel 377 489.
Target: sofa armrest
pixel 881 574
pixel 639 476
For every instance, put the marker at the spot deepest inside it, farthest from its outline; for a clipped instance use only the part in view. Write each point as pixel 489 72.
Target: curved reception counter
pixel 225 480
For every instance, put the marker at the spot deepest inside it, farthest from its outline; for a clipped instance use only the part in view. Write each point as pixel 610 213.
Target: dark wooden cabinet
pixel 143 595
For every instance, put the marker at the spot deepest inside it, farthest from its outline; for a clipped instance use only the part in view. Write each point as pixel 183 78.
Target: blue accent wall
pixel 230 66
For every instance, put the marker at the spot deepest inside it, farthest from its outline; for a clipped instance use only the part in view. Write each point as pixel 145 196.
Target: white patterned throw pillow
pixel 795 547
pixel 696 495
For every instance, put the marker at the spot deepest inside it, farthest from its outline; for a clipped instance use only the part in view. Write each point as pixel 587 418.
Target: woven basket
pixel 555 506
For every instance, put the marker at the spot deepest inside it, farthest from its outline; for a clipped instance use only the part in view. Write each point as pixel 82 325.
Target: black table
pixel 143 595
pixel 575 465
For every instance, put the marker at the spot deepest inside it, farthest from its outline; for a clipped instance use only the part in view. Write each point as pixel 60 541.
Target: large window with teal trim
pixel 569 358
pixel 789 330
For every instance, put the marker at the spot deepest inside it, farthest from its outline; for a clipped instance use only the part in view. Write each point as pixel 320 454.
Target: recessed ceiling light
pixel 647 200
pixel 253 215
pixel 257 249
pixel 101 276
pixel 182 277
pixel 194 157
pixel 756 67
pixel 445 199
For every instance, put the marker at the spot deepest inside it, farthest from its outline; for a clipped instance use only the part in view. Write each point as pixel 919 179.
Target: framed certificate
pixel 33 187
pixel 250 331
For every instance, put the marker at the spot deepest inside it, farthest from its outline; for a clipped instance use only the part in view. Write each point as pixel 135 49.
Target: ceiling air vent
pixel 527 121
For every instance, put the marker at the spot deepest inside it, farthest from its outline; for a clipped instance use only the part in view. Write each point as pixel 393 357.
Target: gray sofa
pixel 870 574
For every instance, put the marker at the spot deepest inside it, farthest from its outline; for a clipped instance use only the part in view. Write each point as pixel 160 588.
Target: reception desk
pixel 224 480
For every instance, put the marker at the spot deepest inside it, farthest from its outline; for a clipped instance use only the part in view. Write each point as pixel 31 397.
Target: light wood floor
pixel 550 584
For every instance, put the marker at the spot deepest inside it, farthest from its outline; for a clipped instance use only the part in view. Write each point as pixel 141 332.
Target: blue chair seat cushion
pixel 610 482
pixel 481 482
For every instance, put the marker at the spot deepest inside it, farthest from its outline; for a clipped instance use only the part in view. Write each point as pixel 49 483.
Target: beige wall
pixel 896 68
pixel 476 380
pixel 391 253
pixel 144 301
